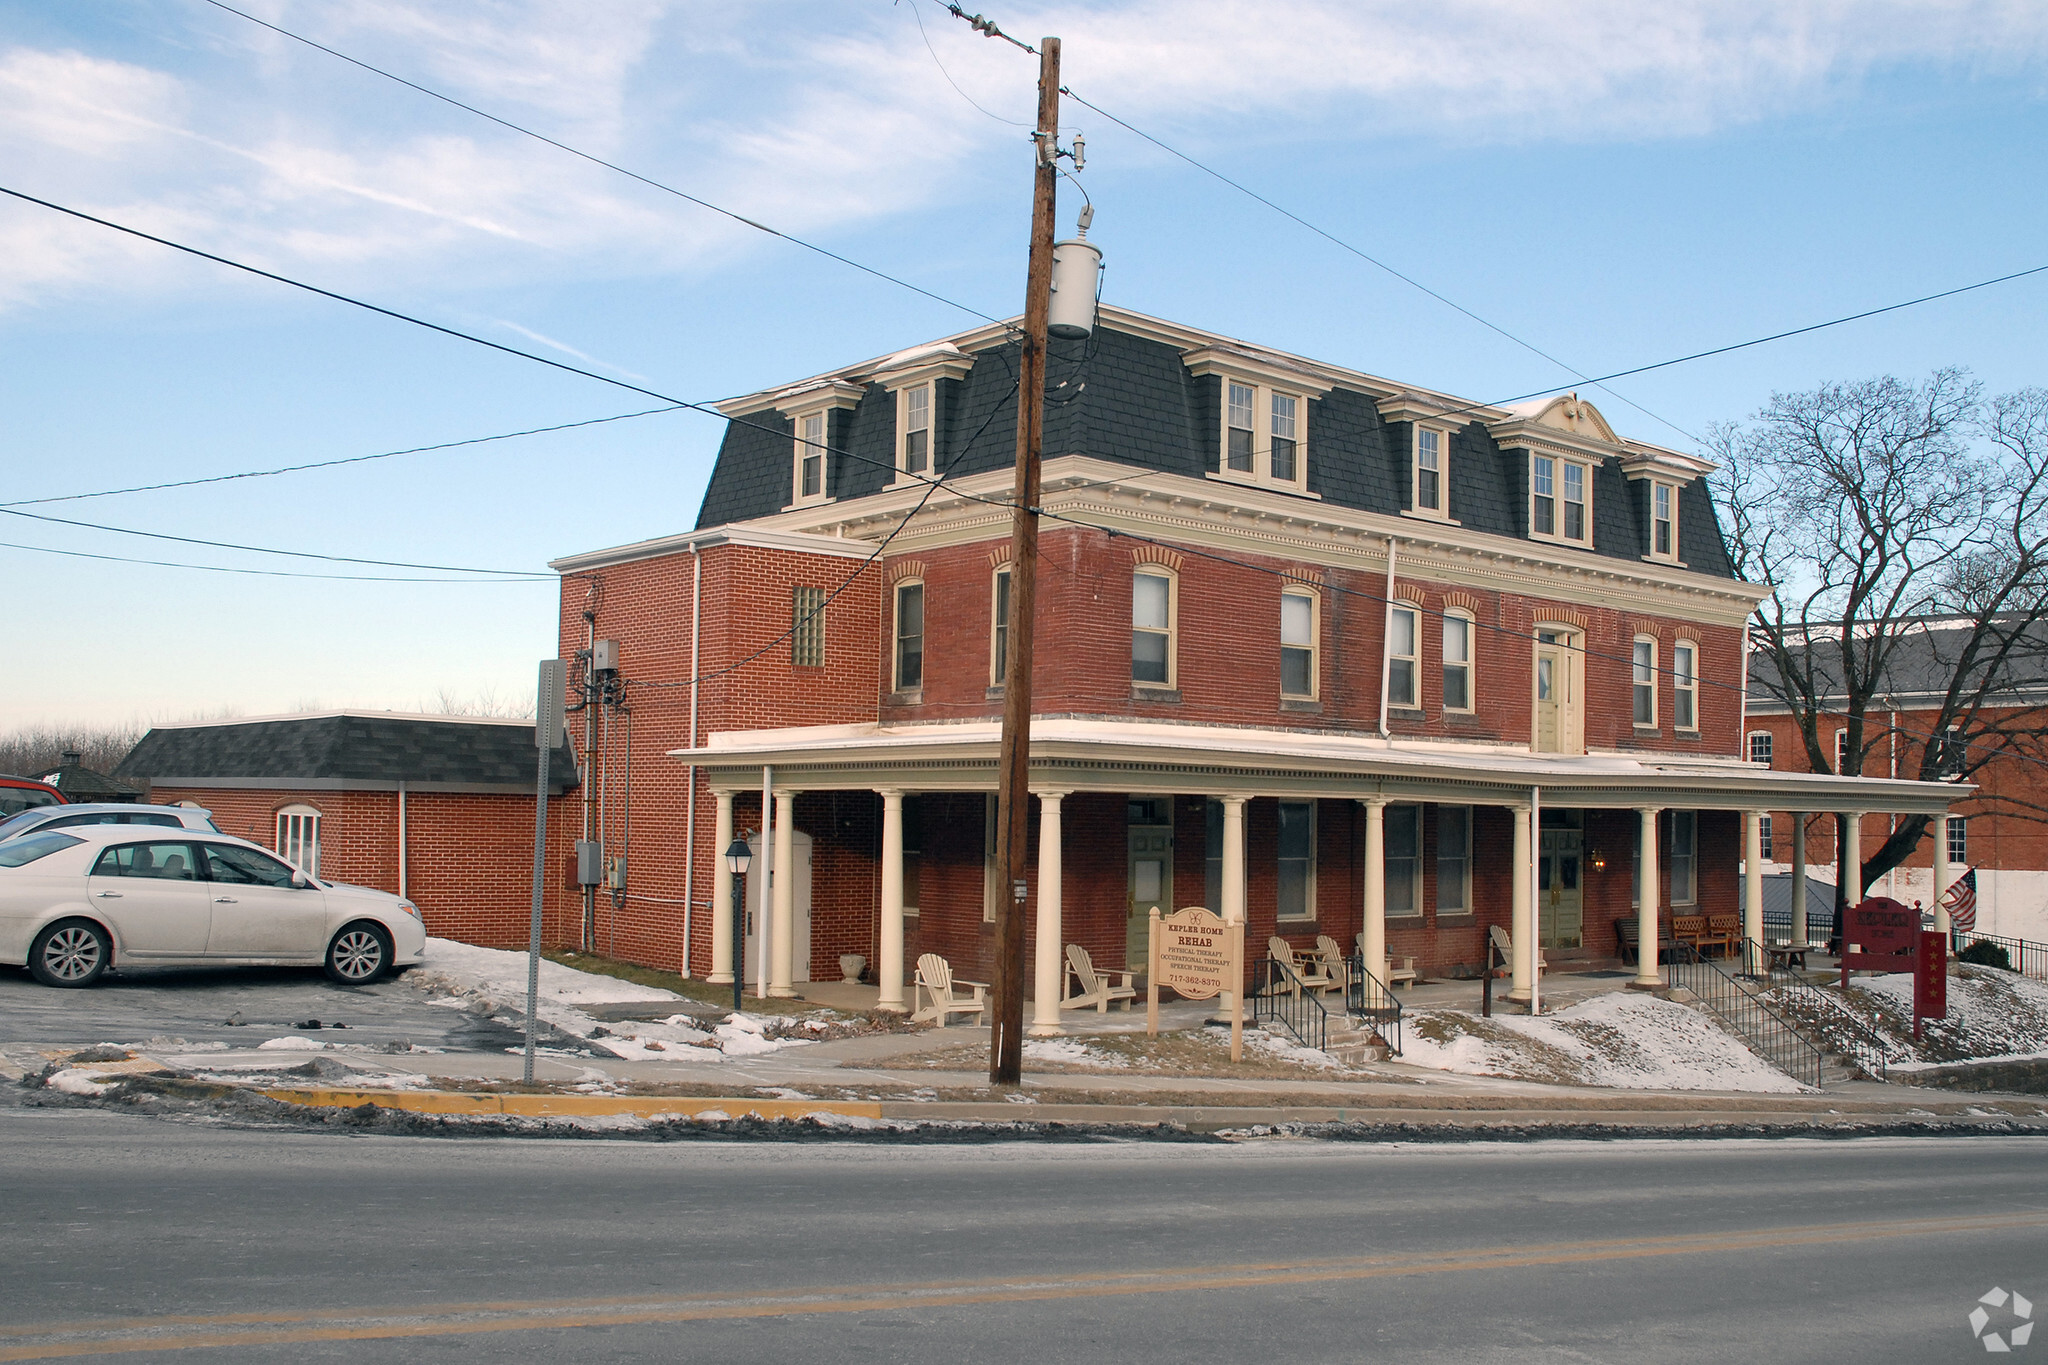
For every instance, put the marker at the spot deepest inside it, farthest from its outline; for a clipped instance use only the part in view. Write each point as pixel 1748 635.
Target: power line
pixel 330 464
pixel 651 183
pixel 266 550
pixel 261 573
pixel 916 14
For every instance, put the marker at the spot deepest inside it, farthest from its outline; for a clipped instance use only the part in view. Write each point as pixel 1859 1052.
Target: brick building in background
pixel 2000 823
pixel 1336 654
pixel 439 809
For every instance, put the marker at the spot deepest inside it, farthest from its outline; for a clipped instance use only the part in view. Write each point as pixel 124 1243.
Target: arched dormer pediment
pixel 1563 421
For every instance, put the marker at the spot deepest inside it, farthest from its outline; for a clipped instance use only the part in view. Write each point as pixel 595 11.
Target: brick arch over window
pixel 906 568
pixel 1156 554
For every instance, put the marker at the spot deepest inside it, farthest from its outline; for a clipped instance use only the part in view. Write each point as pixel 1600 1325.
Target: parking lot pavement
pixel 196 1004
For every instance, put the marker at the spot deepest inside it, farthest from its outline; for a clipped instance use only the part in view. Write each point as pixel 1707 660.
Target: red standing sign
pixel 1930 979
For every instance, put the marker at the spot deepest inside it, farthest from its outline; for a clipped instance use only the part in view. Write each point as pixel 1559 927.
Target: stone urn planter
pixel 851 965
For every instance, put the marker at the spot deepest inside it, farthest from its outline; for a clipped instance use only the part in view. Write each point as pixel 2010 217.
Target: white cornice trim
pixel 1240 363
pixel 761 535
pixel 352 713
pixel 832 395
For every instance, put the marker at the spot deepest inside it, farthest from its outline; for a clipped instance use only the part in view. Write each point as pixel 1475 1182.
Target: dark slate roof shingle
pixel 367 748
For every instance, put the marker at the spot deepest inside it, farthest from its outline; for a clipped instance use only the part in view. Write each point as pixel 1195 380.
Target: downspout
pixel 1387 638
pixel 589 897
pixel 401 839
pixel 766 863
pixel 1742 726
pixel 690 776
pixel 1535 949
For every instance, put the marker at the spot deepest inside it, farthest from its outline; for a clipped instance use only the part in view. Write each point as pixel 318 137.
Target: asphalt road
pixel 196 1003
pixel 185 1241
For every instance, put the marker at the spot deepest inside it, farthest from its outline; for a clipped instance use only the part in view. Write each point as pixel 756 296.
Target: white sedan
pixel 77 901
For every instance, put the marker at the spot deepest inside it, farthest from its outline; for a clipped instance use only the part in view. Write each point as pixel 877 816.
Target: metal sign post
pixel 549 705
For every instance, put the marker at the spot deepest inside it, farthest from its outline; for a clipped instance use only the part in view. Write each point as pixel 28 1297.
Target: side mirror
pixel 298 880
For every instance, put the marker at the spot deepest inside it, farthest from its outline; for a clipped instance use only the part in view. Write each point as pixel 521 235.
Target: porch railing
pixel 1371 1000
pixel 1278 995
pixel 1769 1034
pixel 1863 1045
pixel 2027 957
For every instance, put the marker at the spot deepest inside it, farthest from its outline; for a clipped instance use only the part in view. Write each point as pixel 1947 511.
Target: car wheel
pixel 71 952
pixel 359 954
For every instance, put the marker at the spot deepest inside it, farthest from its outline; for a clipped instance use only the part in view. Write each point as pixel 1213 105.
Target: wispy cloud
pixel 566 349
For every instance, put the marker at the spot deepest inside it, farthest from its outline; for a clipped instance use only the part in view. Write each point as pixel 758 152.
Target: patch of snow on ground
pixel 1991 1013
pixel 502 976
pixel 1058 1050
pixel 1281 1046
pixel 75 1082
pixel 1622 1039
pixel 291 1044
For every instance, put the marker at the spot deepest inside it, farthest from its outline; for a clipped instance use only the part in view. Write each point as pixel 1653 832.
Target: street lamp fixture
pixel 738 858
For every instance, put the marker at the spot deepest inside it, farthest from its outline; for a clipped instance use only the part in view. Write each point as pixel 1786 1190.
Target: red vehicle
pixel 18 794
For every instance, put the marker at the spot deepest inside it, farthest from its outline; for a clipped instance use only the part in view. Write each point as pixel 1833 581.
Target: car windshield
pixel 14 799
pixel 29 847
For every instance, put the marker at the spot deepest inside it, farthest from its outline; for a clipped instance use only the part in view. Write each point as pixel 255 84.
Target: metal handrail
pixel 1367 997
pixel 1870 1051
pixel 2028 957
pixel 1783 1046
pixel 1278 993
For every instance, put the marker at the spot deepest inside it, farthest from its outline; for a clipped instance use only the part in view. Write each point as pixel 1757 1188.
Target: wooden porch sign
pixel 1201 956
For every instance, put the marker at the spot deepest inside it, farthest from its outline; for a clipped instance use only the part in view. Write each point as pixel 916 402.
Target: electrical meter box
pixel 589 862
pixel 604 656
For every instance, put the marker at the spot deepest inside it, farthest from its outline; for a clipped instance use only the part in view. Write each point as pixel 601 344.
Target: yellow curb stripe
pixel 574 1106
pixel 471 1319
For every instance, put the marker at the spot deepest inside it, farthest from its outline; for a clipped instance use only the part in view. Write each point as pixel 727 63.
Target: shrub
pixel 1986 954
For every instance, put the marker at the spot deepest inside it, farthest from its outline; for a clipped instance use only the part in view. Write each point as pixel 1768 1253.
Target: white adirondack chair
pixel 1334 964
pixel 1091 987
pixel 1499 938
pixel 1403 975
pixel 1307 976
pixel 935 982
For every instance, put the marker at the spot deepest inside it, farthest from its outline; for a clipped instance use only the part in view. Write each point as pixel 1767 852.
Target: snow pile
pixel 1621 1039
pixel 292 1043
pixel 73 1081
pixel 466 969
pixel 1068 1050
pixel 1280 1046
pixel 1991 1014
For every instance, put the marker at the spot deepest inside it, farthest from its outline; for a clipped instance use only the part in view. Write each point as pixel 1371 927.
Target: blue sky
pixel 1614 183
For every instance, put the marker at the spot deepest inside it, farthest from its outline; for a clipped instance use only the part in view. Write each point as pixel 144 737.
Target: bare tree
pixel 1869 508
pixel 33 750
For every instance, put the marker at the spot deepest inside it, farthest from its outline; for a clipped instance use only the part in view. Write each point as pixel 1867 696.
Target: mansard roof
pixel 1148 394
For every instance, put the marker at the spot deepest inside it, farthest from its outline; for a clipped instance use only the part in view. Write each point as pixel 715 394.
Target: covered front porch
pixel 1394 849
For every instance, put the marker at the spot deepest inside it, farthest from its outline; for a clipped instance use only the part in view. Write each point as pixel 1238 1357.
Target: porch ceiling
pixel 1078 754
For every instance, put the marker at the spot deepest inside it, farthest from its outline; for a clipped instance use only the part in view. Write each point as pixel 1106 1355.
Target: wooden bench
pixel 1626 936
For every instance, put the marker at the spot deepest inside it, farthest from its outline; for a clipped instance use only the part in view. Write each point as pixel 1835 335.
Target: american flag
pixel 1962 902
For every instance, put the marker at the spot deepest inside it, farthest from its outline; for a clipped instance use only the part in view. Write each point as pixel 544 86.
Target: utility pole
pixel 1013 804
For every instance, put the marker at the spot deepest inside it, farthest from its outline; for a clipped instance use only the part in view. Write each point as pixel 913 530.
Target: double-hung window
pixel 1953 755
pixel 909 636
pixel 810 457
pixel 1297 869
pixel 1663 521
pixel 1429 471
pixel 1644 680
pixel 916 444
pixel 1403 863
pixel 999 627
pixel 1959 840
pixel 1560 499
pixel 1298 645
pixel 1685 686
pixel 1152 627
pixel 1240 436
pixel 1404 667
pixel 1842 751
pixel 807 627
pixel 1760 747
pixel 1684 859
pixel 1763 838
pixel 1285 452
pixel 1453 860
pixel 1457 661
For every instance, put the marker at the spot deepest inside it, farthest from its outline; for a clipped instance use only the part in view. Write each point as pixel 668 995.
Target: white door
pixel 257 912
pixel 154 897
pixel 801 864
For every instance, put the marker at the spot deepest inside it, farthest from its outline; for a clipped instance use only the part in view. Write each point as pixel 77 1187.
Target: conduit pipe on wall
pixel 1534 948
pixel 401 841
pixel 690 776
pixel 1387 639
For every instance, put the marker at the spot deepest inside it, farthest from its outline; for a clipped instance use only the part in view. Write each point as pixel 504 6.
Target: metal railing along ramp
pixel 2027 957
pixel 1279 996
pixel 1768 1033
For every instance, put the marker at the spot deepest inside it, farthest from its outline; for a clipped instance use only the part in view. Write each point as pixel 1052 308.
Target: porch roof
pixel 1074 753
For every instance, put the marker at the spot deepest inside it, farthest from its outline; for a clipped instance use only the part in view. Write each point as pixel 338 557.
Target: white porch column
pixel 1799 929
pixel 1753 886
pixel 721 894
pixel 1647 904
pixel 1045 987
pixel 1849 863
pixel 782 952
pixel 1522 915
pixel 1940 827
pixel 889 947
pixel 1233 910
pixel 1374 945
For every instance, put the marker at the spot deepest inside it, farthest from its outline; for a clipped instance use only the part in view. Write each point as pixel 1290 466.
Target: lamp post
pixel 738 857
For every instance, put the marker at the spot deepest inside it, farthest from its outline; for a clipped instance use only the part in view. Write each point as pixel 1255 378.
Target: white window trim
pixel 1418 908
pixel 1442 511
pixel 803 449
pixel 821 400
pixel 1414 609
pixel 1308 891
pixel 1767 844
pixel 997 582
pixel 1470 664
pixel 1559 461
pixel 1265 380
pixel 1692 688
pixel 1314 646
pixel 1172 625
pixel 1749 747
pixel 1634 684
pixel 1692 819
pixel 1959 841
pixel 1436 856
pixel 1665 556
pixel 297 826
pixel 920 372
pixel 991 875
pixel 903 473
pixel 896 636
pixel 1841 750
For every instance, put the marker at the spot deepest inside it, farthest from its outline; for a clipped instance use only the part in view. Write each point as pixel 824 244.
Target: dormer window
pixel 1285 466
pixel 1429 470
pixel 914 454
pixel 1237 435
pixel 810 457
pixel 809 410
pixel 1262 425
pixel 1559 499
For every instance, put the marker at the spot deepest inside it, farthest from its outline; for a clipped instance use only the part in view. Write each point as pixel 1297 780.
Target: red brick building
pixel 439 809
pixel 1336 654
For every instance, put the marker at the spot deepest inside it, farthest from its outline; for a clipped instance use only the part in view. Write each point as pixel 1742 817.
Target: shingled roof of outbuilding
pixel 376 749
